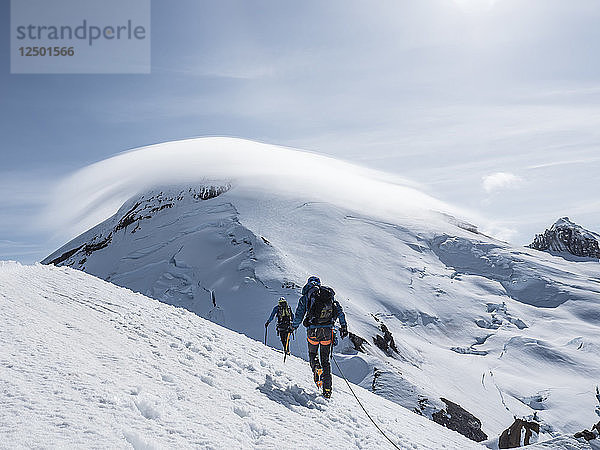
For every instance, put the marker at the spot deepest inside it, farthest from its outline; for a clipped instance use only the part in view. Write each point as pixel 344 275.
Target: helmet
pixel 314 280
pixel 282 300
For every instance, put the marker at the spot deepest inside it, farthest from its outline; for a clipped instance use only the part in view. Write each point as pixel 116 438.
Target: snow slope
pixel 84 363
pixel 501 331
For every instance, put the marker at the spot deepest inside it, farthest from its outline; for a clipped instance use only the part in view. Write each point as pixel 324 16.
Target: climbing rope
pixel 361 405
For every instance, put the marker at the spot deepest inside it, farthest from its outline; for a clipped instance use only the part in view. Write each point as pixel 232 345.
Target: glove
pixel 343 331
pixel 266 324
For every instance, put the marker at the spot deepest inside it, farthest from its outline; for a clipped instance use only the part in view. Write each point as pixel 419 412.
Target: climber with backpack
pixel 321 309
pixel 285 317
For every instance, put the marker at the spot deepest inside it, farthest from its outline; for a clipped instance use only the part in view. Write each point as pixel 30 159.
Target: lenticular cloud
pixel 95 192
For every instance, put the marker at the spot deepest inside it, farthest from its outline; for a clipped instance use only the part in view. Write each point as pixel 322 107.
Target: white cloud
pixel 95 192
pixel 500 180
pixel 500 231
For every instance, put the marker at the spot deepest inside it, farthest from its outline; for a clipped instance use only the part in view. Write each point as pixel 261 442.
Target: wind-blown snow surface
pixel 499 330
pixel 84 363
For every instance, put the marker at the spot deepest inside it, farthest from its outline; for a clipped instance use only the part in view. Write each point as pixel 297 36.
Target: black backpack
pixel 322 309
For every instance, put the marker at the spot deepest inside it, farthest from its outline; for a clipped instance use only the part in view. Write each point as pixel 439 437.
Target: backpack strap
pixel 310 295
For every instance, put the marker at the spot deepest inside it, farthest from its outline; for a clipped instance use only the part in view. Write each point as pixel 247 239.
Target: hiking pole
pixel 266 328
pixel 286 347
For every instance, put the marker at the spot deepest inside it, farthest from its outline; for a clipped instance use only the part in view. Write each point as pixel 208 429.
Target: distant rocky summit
pixel 565 236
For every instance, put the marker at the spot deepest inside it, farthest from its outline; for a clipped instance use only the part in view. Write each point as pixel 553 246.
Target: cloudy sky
pixel 493 106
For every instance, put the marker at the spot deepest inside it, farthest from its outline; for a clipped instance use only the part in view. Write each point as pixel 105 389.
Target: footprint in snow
pixel 208 380
pixel 291 395
pixel 167 378
pixel 147 408
pixel 243 413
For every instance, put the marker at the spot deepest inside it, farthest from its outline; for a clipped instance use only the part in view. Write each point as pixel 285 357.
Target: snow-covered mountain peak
pixel 565 236
pixel 96 192
pixel 566 223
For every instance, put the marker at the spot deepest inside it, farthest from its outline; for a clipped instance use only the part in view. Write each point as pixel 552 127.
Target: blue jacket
pixel 274 313
pixel 301 309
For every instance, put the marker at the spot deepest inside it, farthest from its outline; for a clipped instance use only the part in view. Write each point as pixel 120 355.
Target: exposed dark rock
pixel 387 335
pixel 358 342
pixel 161 207
pixel 95 246
pixel 88 249
pixel 459 419
pixel 62 258
pixel 586 434
pixel 380 343
pixel 595 433
pixel 511 437
pixel 289 285
pixel 376 374
pixel 208 192
pixel 423 403
pixel 589 435
pixel 385 342
pixel 128 218
pixel 566 236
